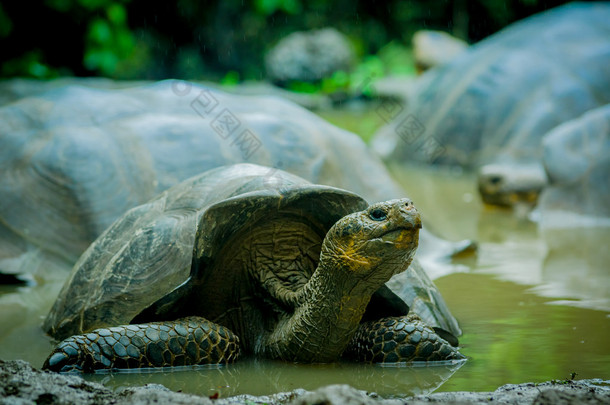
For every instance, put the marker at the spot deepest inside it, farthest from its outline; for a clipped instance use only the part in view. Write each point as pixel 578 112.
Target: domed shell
pixel 147 252
pixel 497 100
pixel 76 158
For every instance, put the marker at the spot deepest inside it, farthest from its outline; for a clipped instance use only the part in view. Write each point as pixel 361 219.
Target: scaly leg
pixel 399 339
pixel 186 341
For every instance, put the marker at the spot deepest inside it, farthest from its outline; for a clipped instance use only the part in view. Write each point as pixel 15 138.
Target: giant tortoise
pixel 571 179
pixel 577 161
pixel 236 261
pixel 75 158
pixel 494 103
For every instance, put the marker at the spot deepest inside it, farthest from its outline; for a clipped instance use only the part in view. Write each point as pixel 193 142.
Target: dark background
pixel 141 39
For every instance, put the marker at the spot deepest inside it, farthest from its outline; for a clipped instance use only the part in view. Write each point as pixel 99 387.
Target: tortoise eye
pixel 378 214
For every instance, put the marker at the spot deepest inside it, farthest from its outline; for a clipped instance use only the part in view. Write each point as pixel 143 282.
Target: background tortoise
pixel 494 103
pixel 73 159
pixel 572 176
pixel 286 266
pixel 577 161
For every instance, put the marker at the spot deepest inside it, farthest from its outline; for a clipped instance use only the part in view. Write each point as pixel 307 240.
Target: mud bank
pixel 22 384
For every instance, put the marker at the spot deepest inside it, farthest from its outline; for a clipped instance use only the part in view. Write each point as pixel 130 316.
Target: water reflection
pixel 577 267
pixel 510 247
pixel 261 377
pixel 571 265
pixel 22 310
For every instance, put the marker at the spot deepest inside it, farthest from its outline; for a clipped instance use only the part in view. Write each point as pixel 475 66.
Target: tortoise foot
pixel 399 339
pixel 184 342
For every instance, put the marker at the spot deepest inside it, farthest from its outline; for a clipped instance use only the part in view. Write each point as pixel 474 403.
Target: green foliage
pixel 145 38
pixel 392 59
pixel 103 31
pixel 363 122
pixel 338 81
pixel 230 79
pixel 30 64
pixel 60 5
pixel 397 59
pixel 303 87
pixel 108 39
pixel 368 70
pixel 6 25
pixel 268 7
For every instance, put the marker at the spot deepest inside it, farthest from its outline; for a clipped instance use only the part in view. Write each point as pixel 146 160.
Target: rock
pixel 21 384
pixel 529 393
pixel 158 394
pixel 309 56
pixel 340 394
pixel 559 397
pixel 434 48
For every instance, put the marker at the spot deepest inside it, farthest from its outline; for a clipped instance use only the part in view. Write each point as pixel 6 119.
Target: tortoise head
pixel 360 252
pixel 374 244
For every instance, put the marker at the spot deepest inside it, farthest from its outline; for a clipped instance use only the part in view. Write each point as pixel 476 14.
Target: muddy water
pixel 534 304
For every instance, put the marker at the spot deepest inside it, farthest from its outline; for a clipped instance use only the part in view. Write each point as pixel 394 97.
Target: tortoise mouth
pixel 395 234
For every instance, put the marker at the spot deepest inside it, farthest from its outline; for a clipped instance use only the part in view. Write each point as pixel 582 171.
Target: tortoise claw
pixel 62 360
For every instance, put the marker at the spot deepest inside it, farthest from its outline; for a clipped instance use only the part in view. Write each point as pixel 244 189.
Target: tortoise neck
pixel 330 308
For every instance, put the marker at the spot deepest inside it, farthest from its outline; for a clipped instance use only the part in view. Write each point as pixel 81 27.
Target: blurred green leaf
pixel 339 81
pixel 108 42
pixel 268 7
pixel 117 14
pixel 230 79
pixel 499 11
pixel 124 41
pixel 101 59
pixel 397 59
pixel 37 69
pixel 60 5
pixel 29 64
pixel 100 31
pixel 303 87
pixel 265 7
pixel 93 4
pixel 292 6
pixel 6 25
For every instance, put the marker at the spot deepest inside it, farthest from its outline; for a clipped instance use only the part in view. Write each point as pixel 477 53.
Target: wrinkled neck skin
pixel 330 308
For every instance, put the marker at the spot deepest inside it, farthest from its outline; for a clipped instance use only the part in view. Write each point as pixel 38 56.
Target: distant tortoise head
pixel 511 184
pixel 281 269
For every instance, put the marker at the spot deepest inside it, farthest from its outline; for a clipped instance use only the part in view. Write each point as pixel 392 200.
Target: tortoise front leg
pixel 186 341
pixel 399 339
